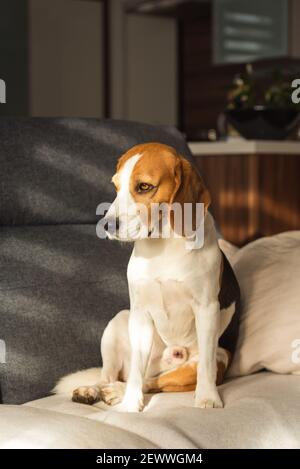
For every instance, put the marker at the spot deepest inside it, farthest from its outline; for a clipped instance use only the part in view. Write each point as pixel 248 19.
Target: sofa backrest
pixel 55 170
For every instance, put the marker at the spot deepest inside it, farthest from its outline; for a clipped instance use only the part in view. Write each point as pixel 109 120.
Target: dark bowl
pixel 263 123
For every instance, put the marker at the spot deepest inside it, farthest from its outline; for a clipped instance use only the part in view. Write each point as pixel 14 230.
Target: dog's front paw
pixel 130 404
pixel 86 395
pixel 113 393
pixel 208 400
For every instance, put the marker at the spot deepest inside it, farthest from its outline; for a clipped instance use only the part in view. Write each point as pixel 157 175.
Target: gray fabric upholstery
pixel 60 287
pixel 59 283
pixel 58 170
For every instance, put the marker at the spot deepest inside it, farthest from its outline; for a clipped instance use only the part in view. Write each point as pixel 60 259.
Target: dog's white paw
pixel 130 404
pixel 113 393
pixel 208 400
pixel 86 395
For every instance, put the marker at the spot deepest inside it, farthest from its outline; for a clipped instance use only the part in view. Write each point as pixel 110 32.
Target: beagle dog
pixel 182 326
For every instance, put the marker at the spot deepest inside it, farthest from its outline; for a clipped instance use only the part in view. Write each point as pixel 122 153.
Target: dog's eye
pixel 144 187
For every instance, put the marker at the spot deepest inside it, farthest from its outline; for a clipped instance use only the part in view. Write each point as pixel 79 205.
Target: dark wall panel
pixel 14 56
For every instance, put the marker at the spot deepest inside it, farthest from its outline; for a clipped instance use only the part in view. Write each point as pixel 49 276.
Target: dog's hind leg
pixel 178 378
pixel 115 349
pixel 115 352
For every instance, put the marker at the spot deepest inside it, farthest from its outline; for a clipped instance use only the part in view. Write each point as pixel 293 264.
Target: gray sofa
pixel 59 286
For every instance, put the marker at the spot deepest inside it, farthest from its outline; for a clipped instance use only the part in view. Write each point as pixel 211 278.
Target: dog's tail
pixel 67 384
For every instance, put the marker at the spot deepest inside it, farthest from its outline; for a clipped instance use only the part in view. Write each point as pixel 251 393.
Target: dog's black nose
pixel 111 225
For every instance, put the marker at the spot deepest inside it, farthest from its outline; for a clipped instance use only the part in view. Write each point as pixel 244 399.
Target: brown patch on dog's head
pixel 161 175
pixel 191 190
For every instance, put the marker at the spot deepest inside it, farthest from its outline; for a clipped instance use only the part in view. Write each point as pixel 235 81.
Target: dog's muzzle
pixel 111 225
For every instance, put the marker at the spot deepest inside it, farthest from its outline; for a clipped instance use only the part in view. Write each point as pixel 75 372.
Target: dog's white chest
pixel 166 280
pixel 159 284
pixel 176 323
pixel 169 303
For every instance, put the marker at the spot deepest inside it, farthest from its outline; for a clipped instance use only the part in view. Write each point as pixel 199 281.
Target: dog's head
pixel 151 179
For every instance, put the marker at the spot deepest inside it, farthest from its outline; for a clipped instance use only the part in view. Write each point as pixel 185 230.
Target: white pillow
pixel 268 271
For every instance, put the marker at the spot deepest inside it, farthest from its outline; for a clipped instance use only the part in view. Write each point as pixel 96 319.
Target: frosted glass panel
pixel 245 30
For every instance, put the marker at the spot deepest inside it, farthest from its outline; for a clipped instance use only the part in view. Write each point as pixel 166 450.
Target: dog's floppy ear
pixel 190 189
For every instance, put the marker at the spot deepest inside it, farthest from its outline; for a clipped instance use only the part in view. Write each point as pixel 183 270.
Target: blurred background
pixel 218 70
pixel 156 61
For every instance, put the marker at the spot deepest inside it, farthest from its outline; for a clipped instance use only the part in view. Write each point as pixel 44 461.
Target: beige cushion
pixel 255 416
pixel 268 271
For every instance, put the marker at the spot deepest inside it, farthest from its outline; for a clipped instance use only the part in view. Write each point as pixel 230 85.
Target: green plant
pixel 279 92
pixel 242 91
pixel 246 91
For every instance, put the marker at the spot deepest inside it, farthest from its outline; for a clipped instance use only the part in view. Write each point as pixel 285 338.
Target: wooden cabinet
pixel 255 186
